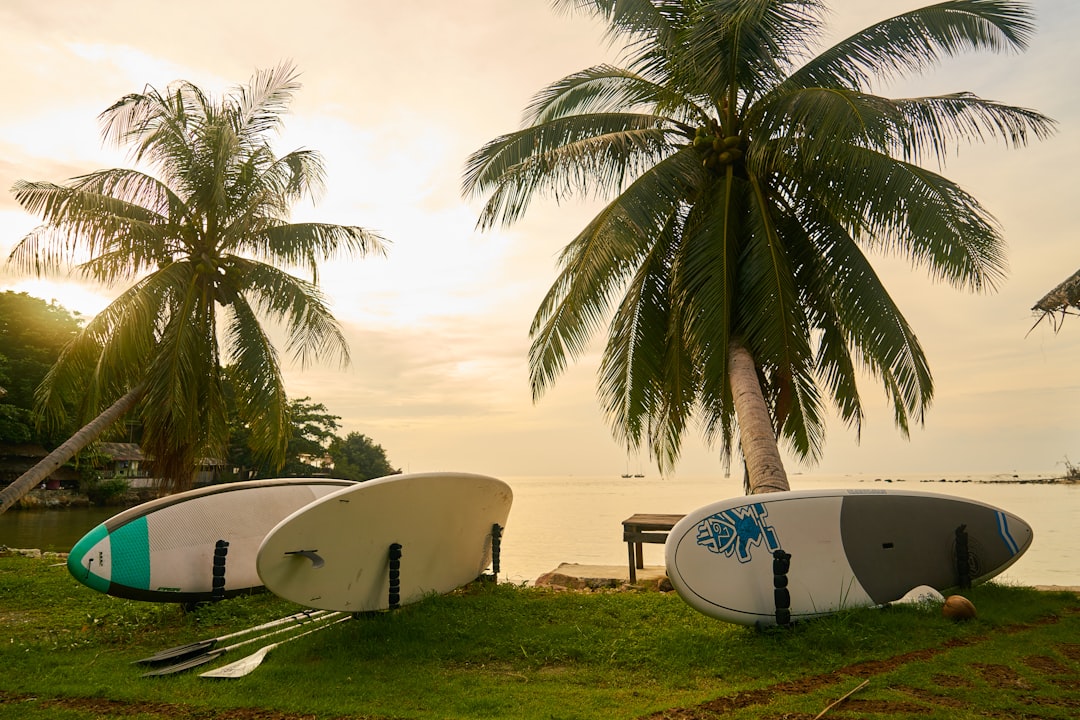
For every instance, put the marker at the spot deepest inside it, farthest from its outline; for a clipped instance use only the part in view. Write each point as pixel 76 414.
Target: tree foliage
pixel 358 457
pixel 201 242
pixel 749 175
pixel 32 334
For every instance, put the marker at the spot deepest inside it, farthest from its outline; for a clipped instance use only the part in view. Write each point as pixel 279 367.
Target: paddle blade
pixel 243 666
pixel 176 654
pixel 183 652
pixel 921 595
pixel 246 665
pixel 188 664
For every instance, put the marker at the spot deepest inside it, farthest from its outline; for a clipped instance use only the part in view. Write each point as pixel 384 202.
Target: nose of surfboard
pixel 1015 533
pixel 87 560
pixel 104 559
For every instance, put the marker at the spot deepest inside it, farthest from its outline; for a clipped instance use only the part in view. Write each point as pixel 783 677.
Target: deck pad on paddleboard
pixel 164 550
pixel 849 548
pixel 335 553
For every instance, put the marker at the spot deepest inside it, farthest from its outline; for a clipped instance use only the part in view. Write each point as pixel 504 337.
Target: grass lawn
pixel 503 651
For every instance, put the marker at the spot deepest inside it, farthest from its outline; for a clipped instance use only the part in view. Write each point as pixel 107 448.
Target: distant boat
pixel 639 474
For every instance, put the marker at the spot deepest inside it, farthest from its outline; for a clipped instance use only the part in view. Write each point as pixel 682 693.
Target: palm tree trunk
pixel 764 468
pixel 37 474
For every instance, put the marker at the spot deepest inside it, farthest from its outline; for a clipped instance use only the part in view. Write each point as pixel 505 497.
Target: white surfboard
pixel 335 553
pixel 164 550
pixel 848 548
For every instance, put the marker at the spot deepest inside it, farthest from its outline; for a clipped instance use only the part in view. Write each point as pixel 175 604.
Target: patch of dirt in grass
pixel 1070 650
pixel 1001 677
pixel 1046 665
pixel 102 708
pixel 928 696
pixel 883 707
pixel 951 681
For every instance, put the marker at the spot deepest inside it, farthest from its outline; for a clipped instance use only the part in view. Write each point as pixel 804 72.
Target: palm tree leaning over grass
pixel 750 179
pixel 202 244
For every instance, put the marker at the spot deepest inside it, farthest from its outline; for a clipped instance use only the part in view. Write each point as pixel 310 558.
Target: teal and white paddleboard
pixel 848 548
pixel 164 550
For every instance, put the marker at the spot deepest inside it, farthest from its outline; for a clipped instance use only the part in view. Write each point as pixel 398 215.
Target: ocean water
pixel 579 519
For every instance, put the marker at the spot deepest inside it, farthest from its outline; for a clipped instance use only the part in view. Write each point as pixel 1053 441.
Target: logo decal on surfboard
pixel 735 531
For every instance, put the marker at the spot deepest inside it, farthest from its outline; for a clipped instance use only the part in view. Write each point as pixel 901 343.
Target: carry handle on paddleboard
pixel 781 595
pixel 963 558
pixel 221 550
pixel 394 570
pixel 496 547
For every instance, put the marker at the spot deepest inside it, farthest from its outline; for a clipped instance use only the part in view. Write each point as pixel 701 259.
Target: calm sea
pixel 579 519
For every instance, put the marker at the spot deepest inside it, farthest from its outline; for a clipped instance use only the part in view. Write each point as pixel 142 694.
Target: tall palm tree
pixel 750 180
pixel 203 246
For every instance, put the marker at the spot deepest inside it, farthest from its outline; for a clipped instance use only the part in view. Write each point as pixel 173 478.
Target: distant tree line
pixel 32 334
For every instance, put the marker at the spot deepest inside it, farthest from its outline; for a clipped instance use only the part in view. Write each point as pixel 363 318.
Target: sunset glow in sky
pixel 396 95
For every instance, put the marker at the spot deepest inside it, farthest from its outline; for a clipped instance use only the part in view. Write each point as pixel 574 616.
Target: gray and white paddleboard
pixel 849 548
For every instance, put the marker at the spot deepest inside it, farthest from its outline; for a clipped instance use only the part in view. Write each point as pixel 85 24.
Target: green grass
pixel 500 651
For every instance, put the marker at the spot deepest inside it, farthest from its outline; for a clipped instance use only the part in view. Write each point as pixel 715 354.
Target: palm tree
pixel 201 246
pixel 750 178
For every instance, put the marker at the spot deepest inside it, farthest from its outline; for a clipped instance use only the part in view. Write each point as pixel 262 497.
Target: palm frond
pixel 255 368
pixel 604 89
pixel 308 245
pixel 597 262
pixel 260 104
pixel 311 330
pixel 916 40
pixel 590 155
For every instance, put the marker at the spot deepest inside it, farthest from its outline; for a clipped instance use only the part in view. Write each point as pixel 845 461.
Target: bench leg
pixel 633 568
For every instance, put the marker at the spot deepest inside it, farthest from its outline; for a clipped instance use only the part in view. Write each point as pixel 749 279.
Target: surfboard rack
pixel 781 595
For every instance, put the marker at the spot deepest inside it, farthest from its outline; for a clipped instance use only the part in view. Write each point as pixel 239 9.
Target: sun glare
pixel 73 297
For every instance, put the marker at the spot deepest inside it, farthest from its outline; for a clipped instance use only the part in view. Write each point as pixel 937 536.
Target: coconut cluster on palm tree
pixel 751 178
pixel 203 245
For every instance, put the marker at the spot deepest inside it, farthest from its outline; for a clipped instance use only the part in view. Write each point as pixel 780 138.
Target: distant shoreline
pixel 1015 480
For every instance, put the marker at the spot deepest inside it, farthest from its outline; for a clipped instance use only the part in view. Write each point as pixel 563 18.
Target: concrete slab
pixel 574 576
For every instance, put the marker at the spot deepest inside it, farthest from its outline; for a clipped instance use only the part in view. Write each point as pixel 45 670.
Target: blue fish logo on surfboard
pixel 735 531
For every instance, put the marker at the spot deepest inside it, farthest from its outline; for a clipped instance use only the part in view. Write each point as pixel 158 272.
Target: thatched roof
pixel 1062 300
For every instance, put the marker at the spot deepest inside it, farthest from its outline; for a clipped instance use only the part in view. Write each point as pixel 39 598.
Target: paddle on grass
pixel 182 652
pixel 246 665
pixel 214 654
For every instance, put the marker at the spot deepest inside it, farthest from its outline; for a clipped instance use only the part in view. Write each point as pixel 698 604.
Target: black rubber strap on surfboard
pixel 781 595
pixel 496 547
pixel 963 558
pixel 394 595
pixel 217 586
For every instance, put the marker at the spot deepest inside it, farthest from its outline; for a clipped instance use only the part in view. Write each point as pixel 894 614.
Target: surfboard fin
pixel 312 555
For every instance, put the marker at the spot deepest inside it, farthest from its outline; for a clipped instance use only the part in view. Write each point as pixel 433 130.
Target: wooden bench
pixel 645 528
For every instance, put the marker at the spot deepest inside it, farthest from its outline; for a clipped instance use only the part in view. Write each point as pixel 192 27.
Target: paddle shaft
pixel 214 653
pixel 246 665
pixel 200 646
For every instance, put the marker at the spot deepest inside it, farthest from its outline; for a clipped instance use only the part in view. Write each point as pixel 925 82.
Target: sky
pixel 396 96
